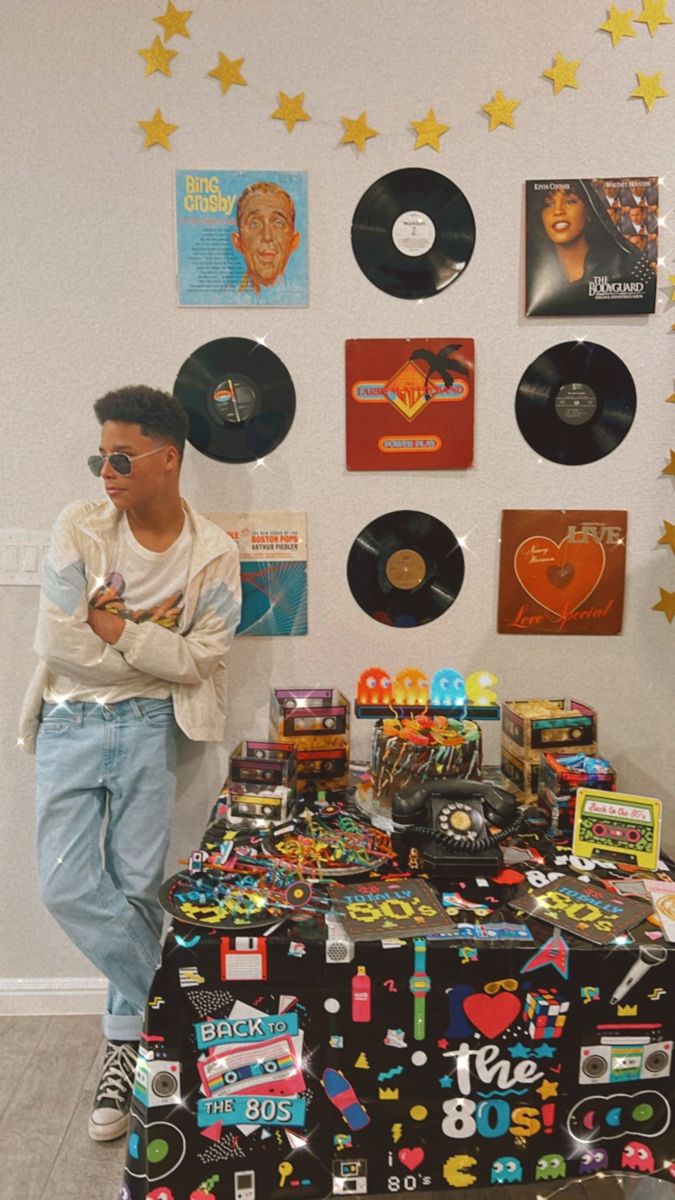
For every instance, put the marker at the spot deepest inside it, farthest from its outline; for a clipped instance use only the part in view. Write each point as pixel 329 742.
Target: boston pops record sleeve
pixel 562 571
pixel 409 403
pixel 273 557
pixel 591 246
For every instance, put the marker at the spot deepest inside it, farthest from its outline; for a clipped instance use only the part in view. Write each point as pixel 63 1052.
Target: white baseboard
pixel 52 997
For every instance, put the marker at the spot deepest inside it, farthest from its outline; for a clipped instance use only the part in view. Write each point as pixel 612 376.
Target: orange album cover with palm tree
pixel 409 403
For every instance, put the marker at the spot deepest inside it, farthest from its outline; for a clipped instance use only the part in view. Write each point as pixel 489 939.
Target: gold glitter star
pixel 500 110
pixel 654 14
pixel 666 604
pixel 563 73
pixel 174 21
pixel 157 131
pixel 291 110
pixel 357 131
pixel 670 469
pixel 429 131
pixel 668 536
pixel 157 58
pixel 671 398
pixel 649 88
pixel 228 72
pixel 619 24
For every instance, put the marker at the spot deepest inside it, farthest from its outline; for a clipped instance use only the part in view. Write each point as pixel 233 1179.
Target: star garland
pixel 500 109
pixel 429 131
pixel 619 24
pixel 157 58
pixel 290 110
pixel 157 131
pixel 649 89
pixel 563 73
pixel 174 22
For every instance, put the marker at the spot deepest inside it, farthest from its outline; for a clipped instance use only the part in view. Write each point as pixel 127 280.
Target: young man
pixel 140 598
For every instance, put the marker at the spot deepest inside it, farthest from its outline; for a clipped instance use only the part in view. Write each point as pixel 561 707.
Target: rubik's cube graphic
pixel 546 1012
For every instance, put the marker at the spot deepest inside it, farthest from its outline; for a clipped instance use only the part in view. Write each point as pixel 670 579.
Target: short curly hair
pixel 159 414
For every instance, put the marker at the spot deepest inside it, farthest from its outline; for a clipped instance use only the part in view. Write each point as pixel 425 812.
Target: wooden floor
pixel 49 1068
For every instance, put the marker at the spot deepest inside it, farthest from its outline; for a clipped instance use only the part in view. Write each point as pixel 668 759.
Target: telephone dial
pixel 455 825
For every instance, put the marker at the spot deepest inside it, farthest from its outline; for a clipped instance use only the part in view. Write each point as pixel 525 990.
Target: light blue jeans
pixel 106 787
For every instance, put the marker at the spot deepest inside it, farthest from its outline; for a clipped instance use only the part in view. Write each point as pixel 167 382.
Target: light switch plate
pixel 21 554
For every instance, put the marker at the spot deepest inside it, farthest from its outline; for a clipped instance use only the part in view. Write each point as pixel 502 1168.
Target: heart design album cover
pixel 562 571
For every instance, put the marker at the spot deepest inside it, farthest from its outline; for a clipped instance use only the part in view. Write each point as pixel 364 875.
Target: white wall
pixel 90 304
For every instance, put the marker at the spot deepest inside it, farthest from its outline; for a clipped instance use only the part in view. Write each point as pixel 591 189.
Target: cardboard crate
pixel 522 777
pixel 557 726
pixel 559 780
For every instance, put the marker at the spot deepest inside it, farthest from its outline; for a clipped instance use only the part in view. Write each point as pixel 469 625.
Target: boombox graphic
pixel 626 1058
pixel 157 1082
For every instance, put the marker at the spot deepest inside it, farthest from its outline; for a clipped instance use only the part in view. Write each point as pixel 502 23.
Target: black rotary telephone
pixel 451 826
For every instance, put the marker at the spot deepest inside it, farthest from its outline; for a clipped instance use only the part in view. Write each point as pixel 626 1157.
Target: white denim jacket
pixel 192 659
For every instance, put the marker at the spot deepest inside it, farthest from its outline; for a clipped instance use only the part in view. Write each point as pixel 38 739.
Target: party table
pixel 285 1065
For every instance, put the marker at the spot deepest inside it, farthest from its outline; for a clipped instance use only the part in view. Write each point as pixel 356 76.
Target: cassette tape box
pixel 316 722
pixel 531 728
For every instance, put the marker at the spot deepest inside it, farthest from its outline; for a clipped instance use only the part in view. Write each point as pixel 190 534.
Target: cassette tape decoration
pixel 315 721
pixel 260 786
pixel 618 826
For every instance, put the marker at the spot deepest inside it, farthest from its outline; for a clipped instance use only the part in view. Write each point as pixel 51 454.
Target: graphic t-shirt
pixel 140 585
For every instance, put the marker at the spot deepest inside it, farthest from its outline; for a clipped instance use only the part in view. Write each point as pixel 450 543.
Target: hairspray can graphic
pixel 361 995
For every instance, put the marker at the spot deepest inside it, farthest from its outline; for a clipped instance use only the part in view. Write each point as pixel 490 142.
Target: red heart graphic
pixel 491 1015
pixel 411 1158
pixel 559 575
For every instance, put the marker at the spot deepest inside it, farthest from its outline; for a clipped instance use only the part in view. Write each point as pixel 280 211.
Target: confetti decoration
pixel 429 131
pixel 670 469
pixel 563 73
pixel 291 110
pixel 654 14
pixel 649 88
pixel 173 22
pixel 157 58
pixel 619 24
pixel 357 132
pixel 157 131
pixel 666 604
pixel 500 110
pixel 668 536
pixel 228 72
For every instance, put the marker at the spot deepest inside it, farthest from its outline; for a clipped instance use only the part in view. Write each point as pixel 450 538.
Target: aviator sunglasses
pixel 120 462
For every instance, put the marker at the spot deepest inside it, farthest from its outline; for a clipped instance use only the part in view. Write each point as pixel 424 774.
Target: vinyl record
pixel 239 399
pixel 413 232
pixel 405 568
pixel 575 403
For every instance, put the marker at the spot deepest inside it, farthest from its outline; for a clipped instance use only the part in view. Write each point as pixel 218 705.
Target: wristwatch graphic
pixel 420 985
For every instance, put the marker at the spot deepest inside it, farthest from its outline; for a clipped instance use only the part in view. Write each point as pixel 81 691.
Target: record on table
pixel 405 568
pixel 206 917
pixel 239 399
pixel 575 403
pixel 413 232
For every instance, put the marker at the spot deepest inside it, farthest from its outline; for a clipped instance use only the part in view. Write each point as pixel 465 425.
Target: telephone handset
pixel 452 824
